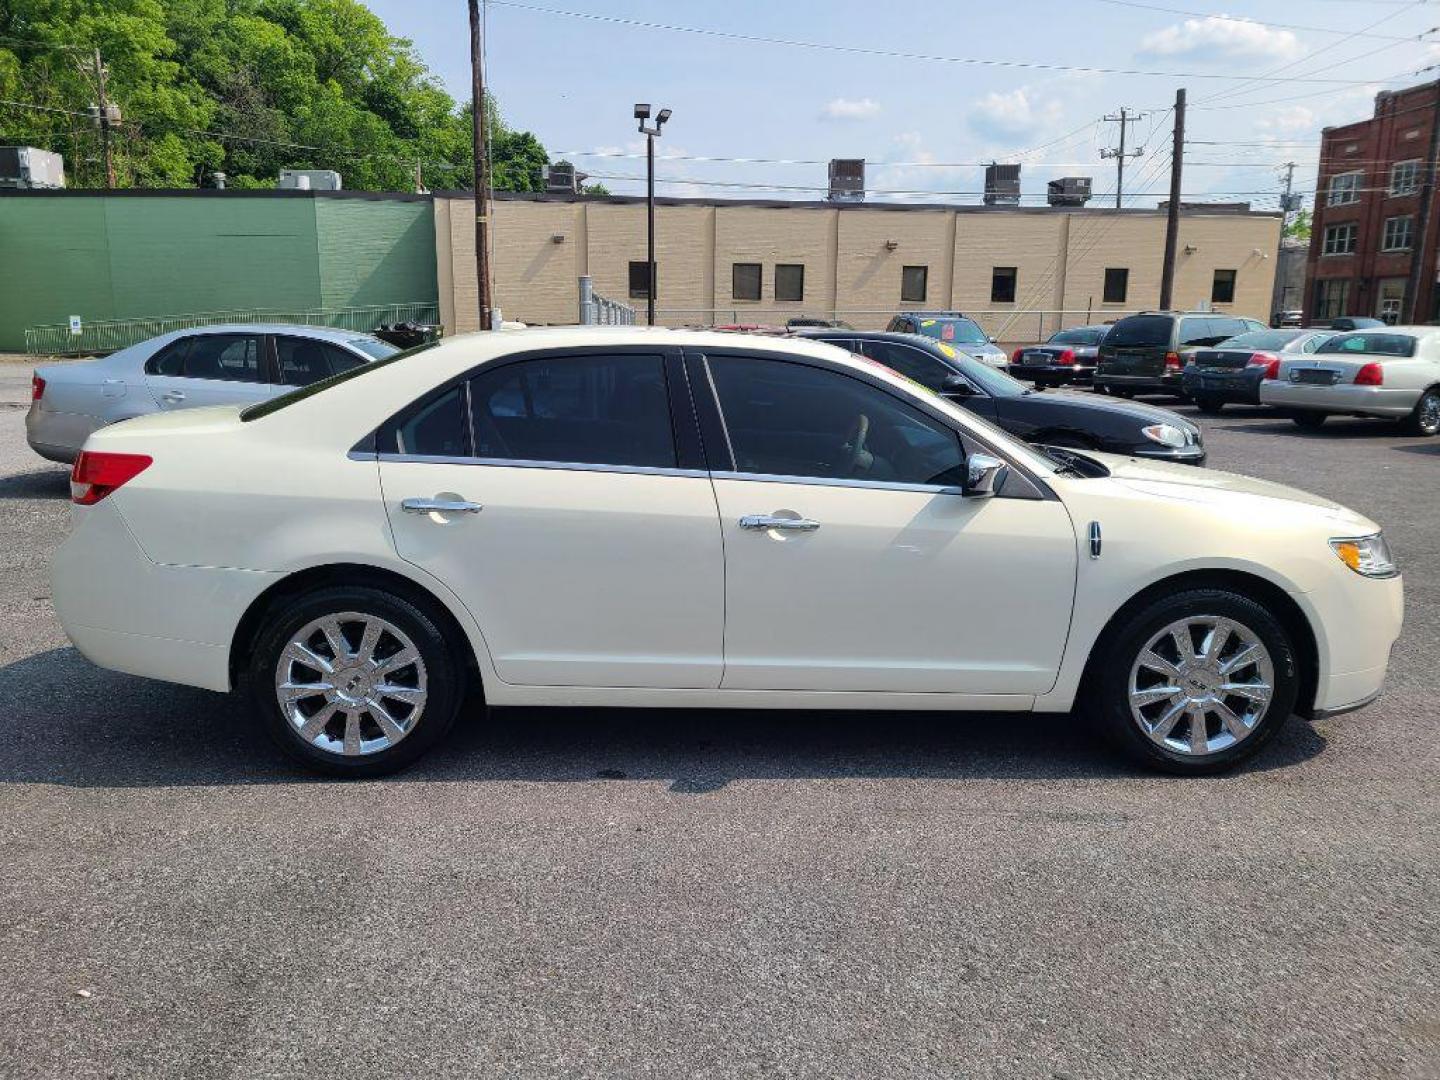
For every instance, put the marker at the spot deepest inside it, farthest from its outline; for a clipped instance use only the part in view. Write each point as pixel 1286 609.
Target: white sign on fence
pixel 75 327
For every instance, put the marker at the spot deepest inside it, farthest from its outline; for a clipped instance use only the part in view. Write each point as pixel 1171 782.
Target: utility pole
pixel 1419 248
pixel 482 167
pixel 104 120
pixel 1119 153
pixel 1172 219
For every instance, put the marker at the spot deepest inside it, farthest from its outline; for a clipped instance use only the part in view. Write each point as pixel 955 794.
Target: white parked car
pixel 1392 373
pixel 212 365
pixel 631 517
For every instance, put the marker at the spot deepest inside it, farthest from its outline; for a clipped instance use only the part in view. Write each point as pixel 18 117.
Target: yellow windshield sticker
pixel 927 322
pixel 948 350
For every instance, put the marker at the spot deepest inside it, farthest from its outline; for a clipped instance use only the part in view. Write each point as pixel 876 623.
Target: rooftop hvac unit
pixel 847 179
pixel 309 180
pixel 27 167
pixel 1069 191
pixel 1002 185
pixel 562 178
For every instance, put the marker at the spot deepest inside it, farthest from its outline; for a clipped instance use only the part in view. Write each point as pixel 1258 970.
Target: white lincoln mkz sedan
pixel 641 517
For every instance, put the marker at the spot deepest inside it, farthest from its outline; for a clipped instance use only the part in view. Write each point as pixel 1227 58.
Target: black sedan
pixel 1068 357
pixel 1050 417
pixel 1231 373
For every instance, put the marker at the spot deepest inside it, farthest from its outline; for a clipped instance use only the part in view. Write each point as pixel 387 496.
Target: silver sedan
pixel 212 365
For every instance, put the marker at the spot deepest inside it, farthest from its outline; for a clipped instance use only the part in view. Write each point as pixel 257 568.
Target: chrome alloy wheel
pixel 351 684
pixel 1201 685
pixel 1429 414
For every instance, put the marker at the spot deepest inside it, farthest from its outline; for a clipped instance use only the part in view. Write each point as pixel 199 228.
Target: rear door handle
pixel 173 395
pixel 439 506
pixel 770 521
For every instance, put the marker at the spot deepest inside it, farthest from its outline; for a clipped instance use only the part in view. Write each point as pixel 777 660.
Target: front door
pixel 854 563
pixel 548 493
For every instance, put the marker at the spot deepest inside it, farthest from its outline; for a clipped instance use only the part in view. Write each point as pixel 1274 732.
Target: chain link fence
pixel 105 337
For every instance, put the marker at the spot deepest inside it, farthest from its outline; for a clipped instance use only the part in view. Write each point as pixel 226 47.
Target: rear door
pixel 210 369
pixel 563 497
pixel 299 361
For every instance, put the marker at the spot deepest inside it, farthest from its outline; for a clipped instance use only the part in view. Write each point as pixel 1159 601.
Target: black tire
pixel 1107 698
pixel 1209 404
pixel 1121 393
pixel 1308 421
pixel 444 672
pixel 1424 420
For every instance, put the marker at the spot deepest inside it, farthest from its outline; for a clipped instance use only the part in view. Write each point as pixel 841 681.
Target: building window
pixel 1392 299
pixel 1340 239
pixel 1002 285
pixel 1117 284
pixel 745 281
pixel 640 280
pixel 1222 288
pixel 912 283
pixel 1332 296
pixel 1345 188
pixel 1397 233
pixel 1404 177
pixel 789 281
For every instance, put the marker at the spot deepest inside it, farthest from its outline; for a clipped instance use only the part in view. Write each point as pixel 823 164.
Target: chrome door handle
pixel 439 506
pixel 770 521
pixel 173 395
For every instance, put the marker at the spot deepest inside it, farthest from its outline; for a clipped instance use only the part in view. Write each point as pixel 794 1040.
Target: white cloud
pixel 1017 114
pixel 1290 120
pixel 1221 39
pixel 850 109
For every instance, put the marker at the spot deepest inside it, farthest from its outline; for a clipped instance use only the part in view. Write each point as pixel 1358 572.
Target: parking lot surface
pixel 616 893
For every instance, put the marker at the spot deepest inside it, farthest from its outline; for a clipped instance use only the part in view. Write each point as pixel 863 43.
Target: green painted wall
pixel 122 257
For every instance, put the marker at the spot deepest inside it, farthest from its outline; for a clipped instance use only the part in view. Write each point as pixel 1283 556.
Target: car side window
pixel 303 361
pixel 792 419
pixel 169 360
pixel 584 409
pixel 915 364
pixel 224 357
pixel 437 428
pixel 1311 344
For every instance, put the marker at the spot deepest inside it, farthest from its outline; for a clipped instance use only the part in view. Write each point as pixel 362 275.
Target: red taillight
pixel 1172 360
pixel 1263 359
pixel 1015 356
pixel 37 387
pixel 96 474
pixel 1067 356
pixel 1371 374
pixel 1272 368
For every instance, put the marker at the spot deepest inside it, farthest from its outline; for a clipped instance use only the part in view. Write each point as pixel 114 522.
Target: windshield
pixel 1261 339
pixel 275 404
pixel 1141 330
pixel 1087 335
pixel 994 382
pixel 373 346
pixel 1375 344
pixel 961 331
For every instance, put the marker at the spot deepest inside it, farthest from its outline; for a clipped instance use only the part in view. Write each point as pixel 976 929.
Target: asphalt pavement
pixel 720 894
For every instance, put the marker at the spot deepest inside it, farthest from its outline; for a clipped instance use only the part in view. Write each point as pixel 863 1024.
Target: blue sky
pixel 573 81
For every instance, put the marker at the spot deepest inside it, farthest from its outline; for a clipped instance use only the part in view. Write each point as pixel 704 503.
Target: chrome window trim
pixel 828 481
pixel 512 463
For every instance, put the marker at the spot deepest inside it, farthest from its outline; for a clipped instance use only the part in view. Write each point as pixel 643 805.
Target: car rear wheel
pixel 1195 683
pixel 1310 421
pixel 1425 419
pixel 355 681
pixel 1209 404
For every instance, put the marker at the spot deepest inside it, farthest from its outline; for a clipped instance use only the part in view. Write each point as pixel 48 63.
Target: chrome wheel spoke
pixel 368 640
pixel 1233 723
pixel 300 653
pixel 310 730
pixel 1162 727
pixel 1151 694
pixel 1215 641
pixel 1256 692
pixel 410 694
pixel 352 732
pixel 292 692
pixel 1198 741
pixel 1184 644
pixel 1242 657
pixel 1153 661
pixel 403 658
pixel 335 639
pixel 388 724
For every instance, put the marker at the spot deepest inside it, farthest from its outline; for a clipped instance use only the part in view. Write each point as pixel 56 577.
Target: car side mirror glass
pixel 956 386
pixel 984 475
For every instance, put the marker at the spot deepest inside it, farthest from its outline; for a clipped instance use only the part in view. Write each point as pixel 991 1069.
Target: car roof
pixel 320 333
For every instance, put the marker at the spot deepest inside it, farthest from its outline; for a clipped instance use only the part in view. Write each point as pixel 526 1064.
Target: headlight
pixel 1367 555
pixel 1167 435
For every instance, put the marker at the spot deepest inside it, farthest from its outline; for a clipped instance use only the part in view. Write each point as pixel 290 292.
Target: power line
pixel 859 50
pixel 1262 22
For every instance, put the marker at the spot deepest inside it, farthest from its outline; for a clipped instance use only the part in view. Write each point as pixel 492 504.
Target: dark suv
pixel 1146 353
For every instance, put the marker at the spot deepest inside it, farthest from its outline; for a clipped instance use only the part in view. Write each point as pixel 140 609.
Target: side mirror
pixel 956 386
pixel 990 338
pixel 984 475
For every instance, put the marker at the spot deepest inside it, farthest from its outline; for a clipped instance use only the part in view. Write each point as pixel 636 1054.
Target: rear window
pixel 1262 339
pixel 1141 330
pixel 373 346
pixel 275 404
pixel 1086 336
pixel 1377 344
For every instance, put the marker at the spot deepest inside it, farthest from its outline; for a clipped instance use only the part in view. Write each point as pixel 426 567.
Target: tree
pixel 244 87
pixel 1299 226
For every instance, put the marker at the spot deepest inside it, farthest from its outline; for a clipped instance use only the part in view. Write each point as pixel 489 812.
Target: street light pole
pixel 651 133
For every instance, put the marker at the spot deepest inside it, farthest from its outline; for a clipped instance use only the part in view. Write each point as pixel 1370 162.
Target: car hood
pixel 1222 490
pixel 1143 414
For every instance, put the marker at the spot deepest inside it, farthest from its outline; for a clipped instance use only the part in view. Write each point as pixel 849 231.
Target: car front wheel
pixel 1195 683
pixel 1209 405
pixel 1425 420
pixel 1309 421
pixel 355 681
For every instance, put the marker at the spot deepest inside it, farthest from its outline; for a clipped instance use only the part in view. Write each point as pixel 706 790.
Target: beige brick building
pixel 1022 272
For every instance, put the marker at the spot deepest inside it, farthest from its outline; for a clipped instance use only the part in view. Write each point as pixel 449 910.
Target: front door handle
pixel 173 396
pixel 439 506
pixel 770 521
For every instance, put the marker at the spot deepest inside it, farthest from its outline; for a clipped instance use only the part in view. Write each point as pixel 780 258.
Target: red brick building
pixel 1367 214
